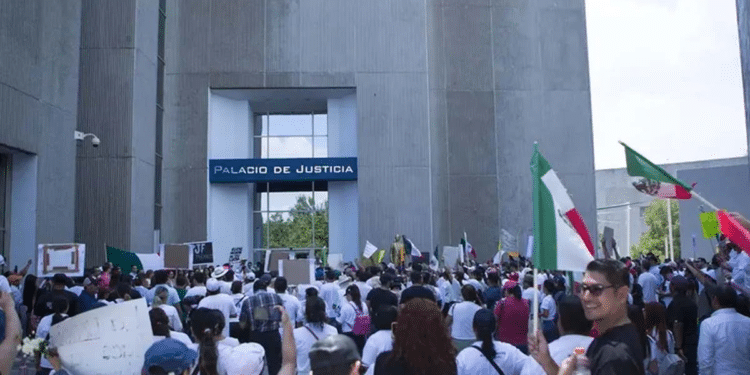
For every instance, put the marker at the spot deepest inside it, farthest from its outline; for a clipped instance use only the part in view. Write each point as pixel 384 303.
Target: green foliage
pixel 655 216
pixel 296 230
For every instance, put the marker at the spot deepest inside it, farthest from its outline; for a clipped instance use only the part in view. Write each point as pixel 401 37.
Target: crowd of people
pixel 629 316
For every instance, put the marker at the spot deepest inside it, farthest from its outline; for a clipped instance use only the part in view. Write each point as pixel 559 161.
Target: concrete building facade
pixel 440 102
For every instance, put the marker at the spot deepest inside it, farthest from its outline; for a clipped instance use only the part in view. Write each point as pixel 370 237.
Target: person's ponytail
pixel 484 334
pixel 209 356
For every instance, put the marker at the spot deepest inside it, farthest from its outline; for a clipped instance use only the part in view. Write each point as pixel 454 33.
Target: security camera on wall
pixel 81 136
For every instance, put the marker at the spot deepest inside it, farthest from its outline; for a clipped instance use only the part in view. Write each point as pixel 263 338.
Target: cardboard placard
pixel 177 257
pixel 297 271
pixel 451 256
pixel 203 252
pixel 85 341
pixel 273 260
pixel 60 258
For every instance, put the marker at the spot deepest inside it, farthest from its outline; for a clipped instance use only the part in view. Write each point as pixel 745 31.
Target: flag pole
pixel 535 304
pixel 669 224
pixel 707 203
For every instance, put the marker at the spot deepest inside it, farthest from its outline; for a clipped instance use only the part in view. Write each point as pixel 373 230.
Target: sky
pixel 665 79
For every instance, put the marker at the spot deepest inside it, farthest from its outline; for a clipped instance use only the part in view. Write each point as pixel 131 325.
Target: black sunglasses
pixel 595 289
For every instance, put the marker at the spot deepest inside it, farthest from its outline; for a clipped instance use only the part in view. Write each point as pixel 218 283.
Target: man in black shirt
pixel 417 290
pixel 44 303
pixel 682 319
pixel 382 295
pixel 618 350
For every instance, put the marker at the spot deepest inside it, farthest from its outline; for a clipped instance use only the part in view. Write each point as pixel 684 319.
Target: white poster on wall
pixel 110 340
pixel 451 256
pixel 60 258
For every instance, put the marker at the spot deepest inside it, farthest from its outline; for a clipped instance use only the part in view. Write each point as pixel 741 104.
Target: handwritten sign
pixel 203 252
pixel 61 258
pixel 110 340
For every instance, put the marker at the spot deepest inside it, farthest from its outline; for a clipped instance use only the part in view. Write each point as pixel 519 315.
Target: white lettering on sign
pixel 284 169
pixel 317 169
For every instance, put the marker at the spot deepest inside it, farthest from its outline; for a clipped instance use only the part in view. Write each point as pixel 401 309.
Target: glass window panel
pixel 264 124
pixel 262 198
pixel 298 233
pixel 290 125
pixel 321 200
pixel 289 201
pixel 289 147
pixel 321 147
pixel 320 123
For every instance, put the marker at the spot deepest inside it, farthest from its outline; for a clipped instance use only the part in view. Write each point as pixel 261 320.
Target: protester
pixel 11 341
pixel 334 355
pixel 314 329
pixel 382 340
pixel 682 319
pixel 724 342
pixel 486 356
pixel 161 296
pixel 258 315
pixel 199 287
pixel 362 282
pixel 355 318
pixel 219 301
pixel 649 282
pixel 460 318
pixel 169 356
pixel 207 328
pixel 292 304
pixel 60 309
pixel 661 340
pixel 382 295
pixel 416 290
pixel 161 278
pixel 160 328
pixel 618 349
pixel 493 293
pixel 44 302
pixel 421 345
pixel 512 315
pixel 548 311
pixel 87 298
pixel 330 293
pixel 181 286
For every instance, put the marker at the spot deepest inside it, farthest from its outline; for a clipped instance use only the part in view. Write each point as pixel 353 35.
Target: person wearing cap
pixel 334 355
pixel 512 315
pixel 485 355
pixel 169 356
pixel 43 305
pixel 87 298
pixel 493 293
pixel 258 317
pixel 217 300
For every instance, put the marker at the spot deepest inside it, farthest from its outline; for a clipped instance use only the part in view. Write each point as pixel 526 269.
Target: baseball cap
pixel 213 285
pixel 244 359
pixel 510 284
pixel 332 351
pixel 171 355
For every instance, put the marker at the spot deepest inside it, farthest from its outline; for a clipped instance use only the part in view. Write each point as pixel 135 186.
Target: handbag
pixel 491 360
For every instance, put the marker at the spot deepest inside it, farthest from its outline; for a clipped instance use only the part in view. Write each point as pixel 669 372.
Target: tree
pixel 296 229
pixel 652 240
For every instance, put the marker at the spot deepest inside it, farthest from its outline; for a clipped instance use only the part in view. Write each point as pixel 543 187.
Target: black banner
pixel 203 252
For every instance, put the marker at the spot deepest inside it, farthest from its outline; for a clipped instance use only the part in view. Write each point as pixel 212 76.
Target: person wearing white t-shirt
pixel 479 357
pixel 361 283
pixel 574 328
pixel 529 290
pixel 380 341
pixel 291 304
pixel 219 301
pixel 329 292
pixel 161 296
pixel 548 310
pixel 160 328
pixel 314 329
pixel 199 289
pixel 60 308
pixel 354 306
pixel 460 317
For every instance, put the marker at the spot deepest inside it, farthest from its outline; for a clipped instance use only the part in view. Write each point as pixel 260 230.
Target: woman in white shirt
pixel 461 315
pixel 161 294
pixel 348 317
pixel 380 341
pixel 160 328
pixel 207 326
pixel 478 359
pixel 659 337
pixel 548 312
pixel 314 329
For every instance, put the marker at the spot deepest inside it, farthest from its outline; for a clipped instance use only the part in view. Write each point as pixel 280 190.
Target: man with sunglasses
pixel 604 293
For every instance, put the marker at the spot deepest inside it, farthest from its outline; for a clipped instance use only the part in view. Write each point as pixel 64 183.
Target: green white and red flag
pixel 656 182
pixel 561 240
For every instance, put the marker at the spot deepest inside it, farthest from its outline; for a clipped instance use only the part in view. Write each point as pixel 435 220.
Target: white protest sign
pixel 60 258
pixel 451 255
pixel 110 340
pixel 530 247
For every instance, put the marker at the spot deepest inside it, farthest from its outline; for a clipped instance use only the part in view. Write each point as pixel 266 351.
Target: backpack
pixel 670 364
pixel 361 323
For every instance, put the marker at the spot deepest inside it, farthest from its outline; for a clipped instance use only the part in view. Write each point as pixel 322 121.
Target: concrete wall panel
pixel 283 36
pixel 563 49
pixel 188 34
pixel 237 35
pixel 470 119
pixel 327 43
pixel 516 49
pixel 474 209
pixel 399 47
pixel 468 43
pixel 108 24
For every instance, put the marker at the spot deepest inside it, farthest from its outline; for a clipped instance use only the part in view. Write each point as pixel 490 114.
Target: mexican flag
pixel 656 182
pixel 126 259
pixel 736 233
pixel 410 248
pixel 468 249
pixel 561 239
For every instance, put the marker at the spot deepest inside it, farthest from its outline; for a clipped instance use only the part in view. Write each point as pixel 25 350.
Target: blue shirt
pixel 85 302
pixel 492 295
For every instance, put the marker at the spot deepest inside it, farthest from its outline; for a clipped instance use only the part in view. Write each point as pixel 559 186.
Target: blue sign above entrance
pixel 272 170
